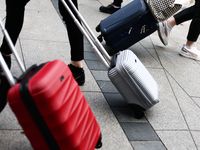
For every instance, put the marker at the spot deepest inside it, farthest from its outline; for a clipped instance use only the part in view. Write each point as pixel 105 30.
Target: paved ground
pixel 172 124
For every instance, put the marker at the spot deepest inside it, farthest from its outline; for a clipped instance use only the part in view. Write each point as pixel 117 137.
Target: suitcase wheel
pixel 100 38
pixel 139 114
pixel 138 111
pixel 98 28
pixel 99 143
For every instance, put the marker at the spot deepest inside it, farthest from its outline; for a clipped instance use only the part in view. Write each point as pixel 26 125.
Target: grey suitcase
pixel 125 70
pixel 133 81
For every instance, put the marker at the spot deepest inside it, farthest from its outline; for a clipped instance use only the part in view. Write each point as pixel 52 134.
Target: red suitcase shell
pixel 53 111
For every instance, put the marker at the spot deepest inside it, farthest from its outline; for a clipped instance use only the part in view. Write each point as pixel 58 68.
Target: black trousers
pixel 193 13
pixel 117 2
pixel 14 22
pixel 15 19
pixel 74 34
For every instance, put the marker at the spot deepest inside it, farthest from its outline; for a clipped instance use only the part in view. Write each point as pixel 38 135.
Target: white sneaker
pixel 164 32
pixel 192 53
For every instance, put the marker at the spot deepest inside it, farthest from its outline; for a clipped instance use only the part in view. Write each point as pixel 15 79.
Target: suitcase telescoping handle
pixel 5 68
pixel 87 32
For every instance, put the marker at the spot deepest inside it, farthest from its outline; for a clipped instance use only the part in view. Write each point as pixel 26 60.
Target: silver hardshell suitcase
pixel 125 70
pixel 133 80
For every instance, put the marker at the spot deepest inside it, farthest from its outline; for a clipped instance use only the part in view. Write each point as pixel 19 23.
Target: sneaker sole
pixel 159 34
pixel 108 12
pixel 191 57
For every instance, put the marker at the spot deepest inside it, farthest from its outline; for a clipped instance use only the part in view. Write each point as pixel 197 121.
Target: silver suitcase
pixel 125 70
pixel 133 81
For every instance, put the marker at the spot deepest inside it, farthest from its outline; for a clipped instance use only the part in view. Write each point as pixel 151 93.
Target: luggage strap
pixel 35 113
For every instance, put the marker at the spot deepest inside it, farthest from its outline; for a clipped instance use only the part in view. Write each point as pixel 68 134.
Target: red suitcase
pixel 51 108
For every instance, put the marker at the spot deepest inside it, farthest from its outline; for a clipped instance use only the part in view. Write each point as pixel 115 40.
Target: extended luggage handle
pixel 4 66
pixel 94 42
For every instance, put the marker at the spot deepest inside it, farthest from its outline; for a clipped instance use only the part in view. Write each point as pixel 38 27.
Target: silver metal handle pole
pixel 4 66
pixel 90 31
pixel 12 47
pixel 108 58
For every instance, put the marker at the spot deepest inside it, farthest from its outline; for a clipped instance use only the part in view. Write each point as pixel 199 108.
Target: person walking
pixel 14 21
pixel 189 49
pixel 111 8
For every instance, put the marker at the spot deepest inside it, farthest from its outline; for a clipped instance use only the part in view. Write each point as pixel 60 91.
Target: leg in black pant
pixel 191 13
pixel 14 22
pixel 189 49
pixel 76 42
pixel 74 34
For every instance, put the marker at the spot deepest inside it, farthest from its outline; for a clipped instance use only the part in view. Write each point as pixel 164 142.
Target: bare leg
pixel 77 64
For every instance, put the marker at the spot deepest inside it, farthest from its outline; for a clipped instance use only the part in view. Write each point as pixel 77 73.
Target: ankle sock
pixel 116 6
pixel 189 47
pixel 168 25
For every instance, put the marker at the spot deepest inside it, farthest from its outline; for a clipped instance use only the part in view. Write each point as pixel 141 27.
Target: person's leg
pixel 189 50
pixel 76 43
pixel 14 22
pixel 13 25
pixel 185 15
pixel 117 2
pixel 194 28
pixel 111 8
pixel 166 26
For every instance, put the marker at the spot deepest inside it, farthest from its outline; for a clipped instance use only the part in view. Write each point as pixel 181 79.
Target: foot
pixel 191 52
pixel 78 74
pixel 109 9
pixel 164 32
pixel 4 85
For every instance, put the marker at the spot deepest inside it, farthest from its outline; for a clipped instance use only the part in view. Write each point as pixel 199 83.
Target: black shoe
pixel 108 9
pixel 4 85
pixel 78 74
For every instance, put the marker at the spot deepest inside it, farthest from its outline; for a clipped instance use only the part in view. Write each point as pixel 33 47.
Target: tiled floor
pixel 136 130
pixel 171 124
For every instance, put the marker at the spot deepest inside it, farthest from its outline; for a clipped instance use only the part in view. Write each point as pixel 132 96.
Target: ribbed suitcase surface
pixel 66 121
pixel 133 80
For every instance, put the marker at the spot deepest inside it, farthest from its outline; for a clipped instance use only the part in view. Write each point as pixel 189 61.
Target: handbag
pixel 163 9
